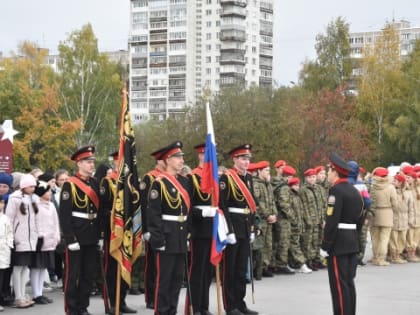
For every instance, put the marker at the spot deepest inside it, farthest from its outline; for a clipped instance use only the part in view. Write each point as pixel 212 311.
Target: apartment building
pixel 180 50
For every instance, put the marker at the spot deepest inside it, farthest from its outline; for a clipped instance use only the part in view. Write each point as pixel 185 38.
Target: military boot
pixel 411 255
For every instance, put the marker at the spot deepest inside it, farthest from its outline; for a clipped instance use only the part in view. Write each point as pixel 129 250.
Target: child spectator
pixel 21 211
pixel 6 243
pixel 48 238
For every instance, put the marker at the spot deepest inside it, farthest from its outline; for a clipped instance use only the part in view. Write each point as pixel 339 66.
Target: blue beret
pixel 6 179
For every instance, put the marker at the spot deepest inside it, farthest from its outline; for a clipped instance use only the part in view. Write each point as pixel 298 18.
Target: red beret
pixel 310 172
pixel 416 168
pixel 407 169
pixel 400 178
pixel 319 168
pixel 262 164
pixel 380 171
pixel 362 170
pixel 293 181
pixel 412 174
pixel 288 171
pixel 252 167
pixel 280 163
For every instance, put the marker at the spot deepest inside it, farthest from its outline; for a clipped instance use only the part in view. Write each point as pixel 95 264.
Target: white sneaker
pixel 1 308
pixel 304 269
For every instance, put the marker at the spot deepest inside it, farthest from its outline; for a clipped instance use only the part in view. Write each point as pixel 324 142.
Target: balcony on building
pixel 239 3
pixel 266 7
pixel 232 58
pixel 266 81
pixel 138 39
pixel 266 50
pixel 233 33
pixel 240 12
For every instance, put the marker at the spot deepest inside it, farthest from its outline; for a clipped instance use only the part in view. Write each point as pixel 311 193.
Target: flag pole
pixel 118 291
pixel 218 290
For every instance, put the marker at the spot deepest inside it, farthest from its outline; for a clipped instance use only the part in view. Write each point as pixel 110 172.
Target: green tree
pixel 90 90
pixel 380 82
pixel 30 89
pixel 404 131
pixel 333 65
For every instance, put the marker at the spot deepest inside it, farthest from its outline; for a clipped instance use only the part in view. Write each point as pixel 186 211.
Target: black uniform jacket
pixel 165 200
pixel 201 227
pixel 73 200
pixel 230 196
pixel 345 205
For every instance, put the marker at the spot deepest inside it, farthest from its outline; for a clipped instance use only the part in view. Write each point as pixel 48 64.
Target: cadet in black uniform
pixel 79 217
pixel 341 243
pixel 150 263
pixel 107 187
pixel 202 213
pixel 238 205
pixel 167 215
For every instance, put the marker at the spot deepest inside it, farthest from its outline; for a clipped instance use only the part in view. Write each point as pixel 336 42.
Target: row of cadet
pixel 288 219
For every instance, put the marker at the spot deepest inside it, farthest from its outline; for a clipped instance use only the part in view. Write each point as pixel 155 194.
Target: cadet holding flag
pixel 341 241
pixel 238 205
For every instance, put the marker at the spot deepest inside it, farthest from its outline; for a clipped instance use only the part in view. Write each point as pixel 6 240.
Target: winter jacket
pixel 6 241
pixel 414 213
pixel 405 202
pixel 384 201
pixel 24 226
pixel 48 225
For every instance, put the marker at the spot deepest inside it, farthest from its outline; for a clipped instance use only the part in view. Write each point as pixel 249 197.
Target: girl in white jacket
pixel 48 238
pixel 6 243
pixel 21 211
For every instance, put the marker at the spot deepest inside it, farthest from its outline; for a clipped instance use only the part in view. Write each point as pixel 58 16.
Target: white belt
pixel 347 226
pixel 239 210
pixel 206 207
pixel 177 218
pixel 89 216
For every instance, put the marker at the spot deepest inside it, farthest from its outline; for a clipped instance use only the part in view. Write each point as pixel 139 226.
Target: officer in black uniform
pixel 150 263
pixel 167 217
pixel 107 187
pixel 341 243
pixel 202 213
pixel 79 217
pixel 238 205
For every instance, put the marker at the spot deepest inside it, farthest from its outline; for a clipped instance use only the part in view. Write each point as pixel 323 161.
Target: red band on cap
pixel 170 153
pixel 84 155
pixel 240 152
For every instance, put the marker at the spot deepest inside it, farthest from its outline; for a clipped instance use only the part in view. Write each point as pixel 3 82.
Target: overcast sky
pixel 297 22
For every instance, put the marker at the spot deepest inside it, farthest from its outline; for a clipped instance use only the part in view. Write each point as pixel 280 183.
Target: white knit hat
pixel 27 180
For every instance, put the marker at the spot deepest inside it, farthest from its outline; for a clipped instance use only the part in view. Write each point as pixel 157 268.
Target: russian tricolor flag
pixel 210 185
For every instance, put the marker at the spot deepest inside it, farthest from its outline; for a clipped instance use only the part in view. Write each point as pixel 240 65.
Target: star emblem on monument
pixel 8 131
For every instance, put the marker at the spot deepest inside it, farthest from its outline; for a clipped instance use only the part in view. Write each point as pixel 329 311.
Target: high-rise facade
pixel 359 40
pixel 181 49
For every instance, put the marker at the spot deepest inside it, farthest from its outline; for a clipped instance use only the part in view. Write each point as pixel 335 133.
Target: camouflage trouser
pixel 307 241
pixel 267 248
pixel 316 243
pixel 282 238
pixel 362 241
pixel 295 247
pixel 257 263
pixel 137 273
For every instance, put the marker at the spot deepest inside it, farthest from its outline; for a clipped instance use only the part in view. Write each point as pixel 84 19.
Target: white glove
pixel 146 236
pixel 231 238
pixel 209 212
pixel 161 249
pixel 252 237
pixel 323 253
pixel 74 246
pixel 100 244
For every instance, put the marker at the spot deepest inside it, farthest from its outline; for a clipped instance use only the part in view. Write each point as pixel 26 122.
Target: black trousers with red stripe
pixel 341 274
pixel 235 263
pixel 200 273
pixel 169 275
pixel 80 268
pixel 149 275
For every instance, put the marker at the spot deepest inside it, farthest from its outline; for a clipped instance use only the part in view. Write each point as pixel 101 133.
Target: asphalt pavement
pixel 392 290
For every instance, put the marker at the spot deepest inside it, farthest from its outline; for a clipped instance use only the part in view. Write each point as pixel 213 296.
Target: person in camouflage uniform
pixel 296 255
pixel 313 216
pixel 266 211
pixel 285 215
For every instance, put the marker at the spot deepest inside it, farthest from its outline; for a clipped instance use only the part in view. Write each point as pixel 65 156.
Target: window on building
pixel 208 12
pixel 208 70
pixel 208 47
pixel 208 59
pixel 208 36
pixel 208 23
